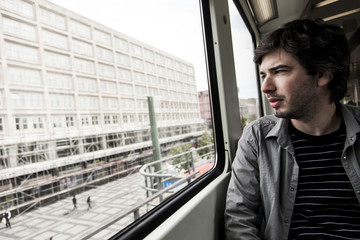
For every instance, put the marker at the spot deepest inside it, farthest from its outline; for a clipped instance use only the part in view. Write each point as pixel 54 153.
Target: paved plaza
pixel 61 222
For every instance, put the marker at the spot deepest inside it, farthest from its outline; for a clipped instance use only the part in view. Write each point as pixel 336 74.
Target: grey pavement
pixel 60 221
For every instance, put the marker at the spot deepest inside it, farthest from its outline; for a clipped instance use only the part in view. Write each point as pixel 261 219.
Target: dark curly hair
pixel 319 47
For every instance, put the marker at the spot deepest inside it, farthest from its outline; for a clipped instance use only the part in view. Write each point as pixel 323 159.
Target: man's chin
pixel 280 114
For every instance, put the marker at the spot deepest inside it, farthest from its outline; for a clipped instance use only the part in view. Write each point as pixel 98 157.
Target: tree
pixel 243 122
pixel 180 149
pixel 206 139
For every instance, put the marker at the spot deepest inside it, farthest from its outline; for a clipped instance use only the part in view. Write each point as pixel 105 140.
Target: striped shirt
pixel 326 206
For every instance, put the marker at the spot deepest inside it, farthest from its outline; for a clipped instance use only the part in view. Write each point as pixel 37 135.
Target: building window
pixel 136 49
pixel 150 67
pixel 141 90
pixel 107 120
pixel 104 54
pixel 161 71
pixel 82 48
pixel 19 29
pixel 80 29
pixel 106 70
pixel 149 54
pixel 121 44
pixel 86 84
pixel 132 118
pixel 57 60
pixel 102 37
pixel 21 123
pixel 84 66
pixel 22 53
pixel 160 58
pixel 1 124
pixel 88 102
pixel 57 121
pixel 38 122
pixel 153 91
pixel 123 59
pixel 109 103
pixel 124 74
pixel 69 121
pixel 27 100
pixel 115 119
pixel 125 118
pixel 137 63
pixel 19 6
pixel 85 121
pixel 54 39
pixel 127 103
pixel 58 80
pixel 52 19
pixel 139 77
pixel 126 89
pixel 108 87
pixel 24 76
pixel 94 120
pixel 62 101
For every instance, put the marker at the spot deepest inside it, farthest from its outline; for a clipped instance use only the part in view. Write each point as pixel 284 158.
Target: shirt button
pixel 352 138
pixel 292 189
pixel 344 157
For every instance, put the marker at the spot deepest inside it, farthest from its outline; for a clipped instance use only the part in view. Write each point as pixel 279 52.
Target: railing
pixel 173 169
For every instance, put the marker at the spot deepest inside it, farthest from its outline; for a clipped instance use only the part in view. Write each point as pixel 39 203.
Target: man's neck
pixel 325 121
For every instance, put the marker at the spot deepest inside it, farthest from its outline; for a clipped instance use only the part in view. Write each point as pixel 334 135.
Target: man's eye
pixel 280 71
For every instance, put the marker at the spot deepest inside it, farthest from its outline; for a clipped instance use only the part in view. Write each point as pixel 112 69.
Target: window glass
pixel 52 18
pixel 54 39
pixel 20 7
pixel 245 69
pixel 19 29
pixel 81 47
pixel 77 81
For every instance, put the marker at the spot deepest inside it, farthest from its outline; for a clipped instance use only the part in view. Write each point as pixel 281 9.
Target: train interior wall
pixel 200 218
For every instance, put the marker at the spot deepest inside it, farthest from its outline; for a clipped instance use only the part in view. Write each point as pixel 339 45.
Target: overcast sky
pixel 173 26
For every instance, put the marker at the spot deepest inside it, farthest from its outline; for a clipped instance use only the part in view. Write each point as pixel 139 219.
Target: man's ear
pixel 323 78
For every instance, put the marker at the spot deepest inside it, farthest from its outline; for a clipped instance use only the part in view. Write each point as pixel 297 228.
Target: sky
pixel 172 26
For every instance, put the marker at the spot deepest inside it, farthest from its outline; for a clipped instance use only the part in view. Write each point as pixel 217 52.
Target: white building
pixel 73 95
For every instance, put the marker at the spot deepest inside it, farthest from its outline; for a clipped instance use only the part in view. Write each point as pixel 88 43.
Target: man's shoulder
pixel 355 110
pixel 261 126
pixel 264 122
pixel 349 112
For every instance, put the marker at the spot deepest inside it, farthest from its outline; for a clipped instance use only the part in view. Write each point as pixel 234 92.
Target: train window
pixel 245 69
pixel 104 113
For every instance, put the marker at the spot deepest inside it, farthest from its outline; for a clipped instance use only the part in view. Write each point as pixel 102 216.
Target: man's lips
pixel 274 101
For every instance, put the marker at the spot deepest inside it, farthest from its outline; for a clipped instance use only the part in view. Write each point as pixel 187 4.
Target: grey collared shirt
pixel 262 189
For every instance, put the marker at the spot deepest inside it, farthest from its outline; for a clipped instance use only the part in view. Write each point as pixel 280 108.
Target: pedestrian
pixel 6 217
pixel 74 202
pixel 296 175
pixel 88 201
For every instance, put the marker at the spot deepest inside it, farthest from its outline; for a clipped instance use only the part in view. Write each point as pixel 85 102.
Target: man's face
pixel 290 91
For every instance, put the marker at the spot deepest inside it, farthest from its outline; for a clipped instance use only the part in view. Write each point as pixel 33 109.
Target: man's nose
pixel 267 85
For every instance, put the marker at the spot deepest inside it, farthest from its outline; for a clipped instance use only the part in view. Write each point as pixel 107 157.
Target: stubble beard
pixel 299 110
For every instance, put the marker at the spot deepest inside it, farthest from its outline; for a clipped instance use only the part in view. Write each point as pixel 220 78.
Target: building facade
pixel 205 110
pixel 73 95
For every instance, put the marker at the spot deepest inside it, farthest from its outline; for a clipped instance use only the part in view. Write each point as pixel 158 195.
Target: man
pixel 74 202
pixel 88 201
pixel 7 216
pixel 296 174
